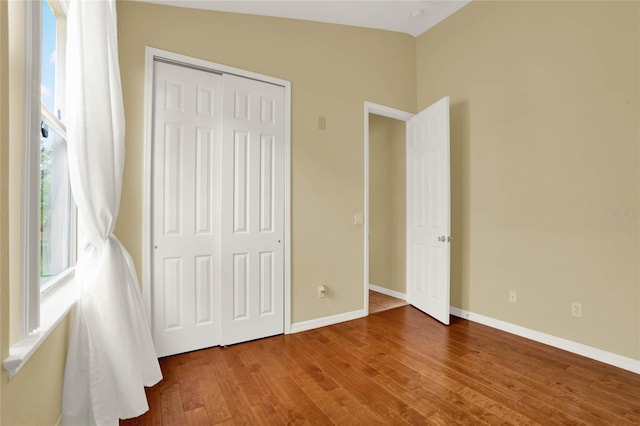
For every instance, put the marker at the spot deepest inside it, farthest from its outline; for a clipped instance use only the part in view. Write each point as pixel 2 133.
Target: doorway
pixel 387 213
pixel 382 124
pixel 427 202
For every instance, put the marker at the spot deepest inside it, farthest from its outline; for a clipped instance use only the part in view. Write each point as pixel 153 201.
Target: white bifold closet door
pixel 217 209
pixel 253 210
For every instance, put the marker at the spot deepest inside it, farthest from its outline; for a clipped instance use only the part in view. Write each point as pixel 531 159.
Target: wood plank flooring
pixel 379 302
pixel 394 367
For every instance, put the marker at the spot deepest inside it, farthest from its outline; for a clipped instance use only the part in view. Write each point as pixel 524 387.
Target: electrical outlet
pixel 322 290
pixel 513 296
pixel 576 309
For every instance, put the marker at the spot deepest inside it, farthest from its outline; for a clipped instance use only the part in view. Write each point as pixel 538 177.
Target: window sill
pixel 55 303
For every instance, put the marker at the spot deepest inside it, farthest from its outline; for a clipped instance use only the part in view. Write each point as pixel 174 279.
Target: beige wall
pixel 40 379
pixel 333 70
pixel 544 142
pixel 34 395
pixel 545 137
pixel 387 203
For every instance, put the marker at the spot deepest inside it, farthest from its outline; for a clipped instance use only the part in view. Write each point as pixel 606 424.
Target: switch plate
pixel 576 309
pixel 358 218
pixel 513 296
pixel 322 290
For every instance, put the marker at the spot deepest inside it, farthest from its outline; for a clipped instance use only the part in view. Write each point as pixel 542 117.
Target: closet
pixel 217 208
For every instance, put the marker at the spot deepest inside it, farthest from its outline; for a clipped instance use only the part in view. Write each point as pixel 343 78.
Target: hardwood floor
pixel 379 302
pixel 394 367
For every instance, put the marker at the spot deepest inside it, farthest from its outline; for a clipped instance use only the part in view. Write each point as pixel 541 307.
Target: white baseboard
pixel 388 292
pixel 610 358
pixel 296 327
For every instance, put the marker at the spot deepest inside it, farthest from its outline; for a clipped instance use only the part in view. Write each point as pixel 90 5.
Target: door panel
pixel 267 283
pixel 240 184
pixel 253 229
pixel 428 211
pixel 203 189
pixel 185 187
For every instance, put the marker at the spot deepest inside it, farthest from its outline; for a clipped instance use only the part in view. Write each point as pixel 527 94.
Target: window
pixel 49 216
pixel 48 226
pixel 56 206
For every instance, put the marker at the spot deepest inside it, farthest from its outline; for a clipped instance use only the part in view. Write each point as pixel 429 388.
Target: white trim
pixel 146 271
pixel 287 208
pixel 55 305
pixel 385 111
pixel 610 358
pixel 55 281
pixel 388 292
pixel 153 53
pixel 30 259
pixel 372 108
pixel 211 66
pixel 297 327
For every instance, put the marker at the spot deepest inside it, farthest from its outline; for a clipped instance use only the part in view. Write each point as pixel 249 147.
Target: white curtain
pixel 111 355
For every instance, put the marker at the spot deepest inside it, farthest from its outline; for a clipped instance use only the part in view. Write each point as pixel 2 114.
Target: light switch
pixel 358 218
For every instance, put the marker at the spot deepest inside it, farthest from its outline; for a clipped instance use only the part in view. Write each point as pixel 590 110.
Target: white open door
pixel 428 211
pixel 185 219
pixel 253 216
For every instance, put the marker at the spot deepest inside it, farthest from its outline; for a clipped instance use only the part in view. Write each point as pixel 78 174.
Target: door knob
pixel 442 239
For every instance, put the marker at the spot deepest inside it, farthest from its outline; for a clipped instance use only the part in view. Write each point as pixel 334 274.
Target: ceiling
pixel 407 16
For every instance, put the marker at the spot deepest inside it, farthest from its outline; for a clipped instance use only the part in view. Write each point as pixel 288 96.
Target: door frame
pixel 151 54
pixel 385 111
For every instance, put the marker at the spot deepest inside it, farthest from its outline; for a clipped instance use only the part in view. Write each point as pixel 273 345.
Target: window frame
pixel 42 308
pixel 30 272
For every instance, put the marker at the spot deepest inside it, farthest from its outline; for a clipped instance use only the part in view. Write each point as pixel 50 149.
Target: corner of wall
pixel 638 139
pixel 3 191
